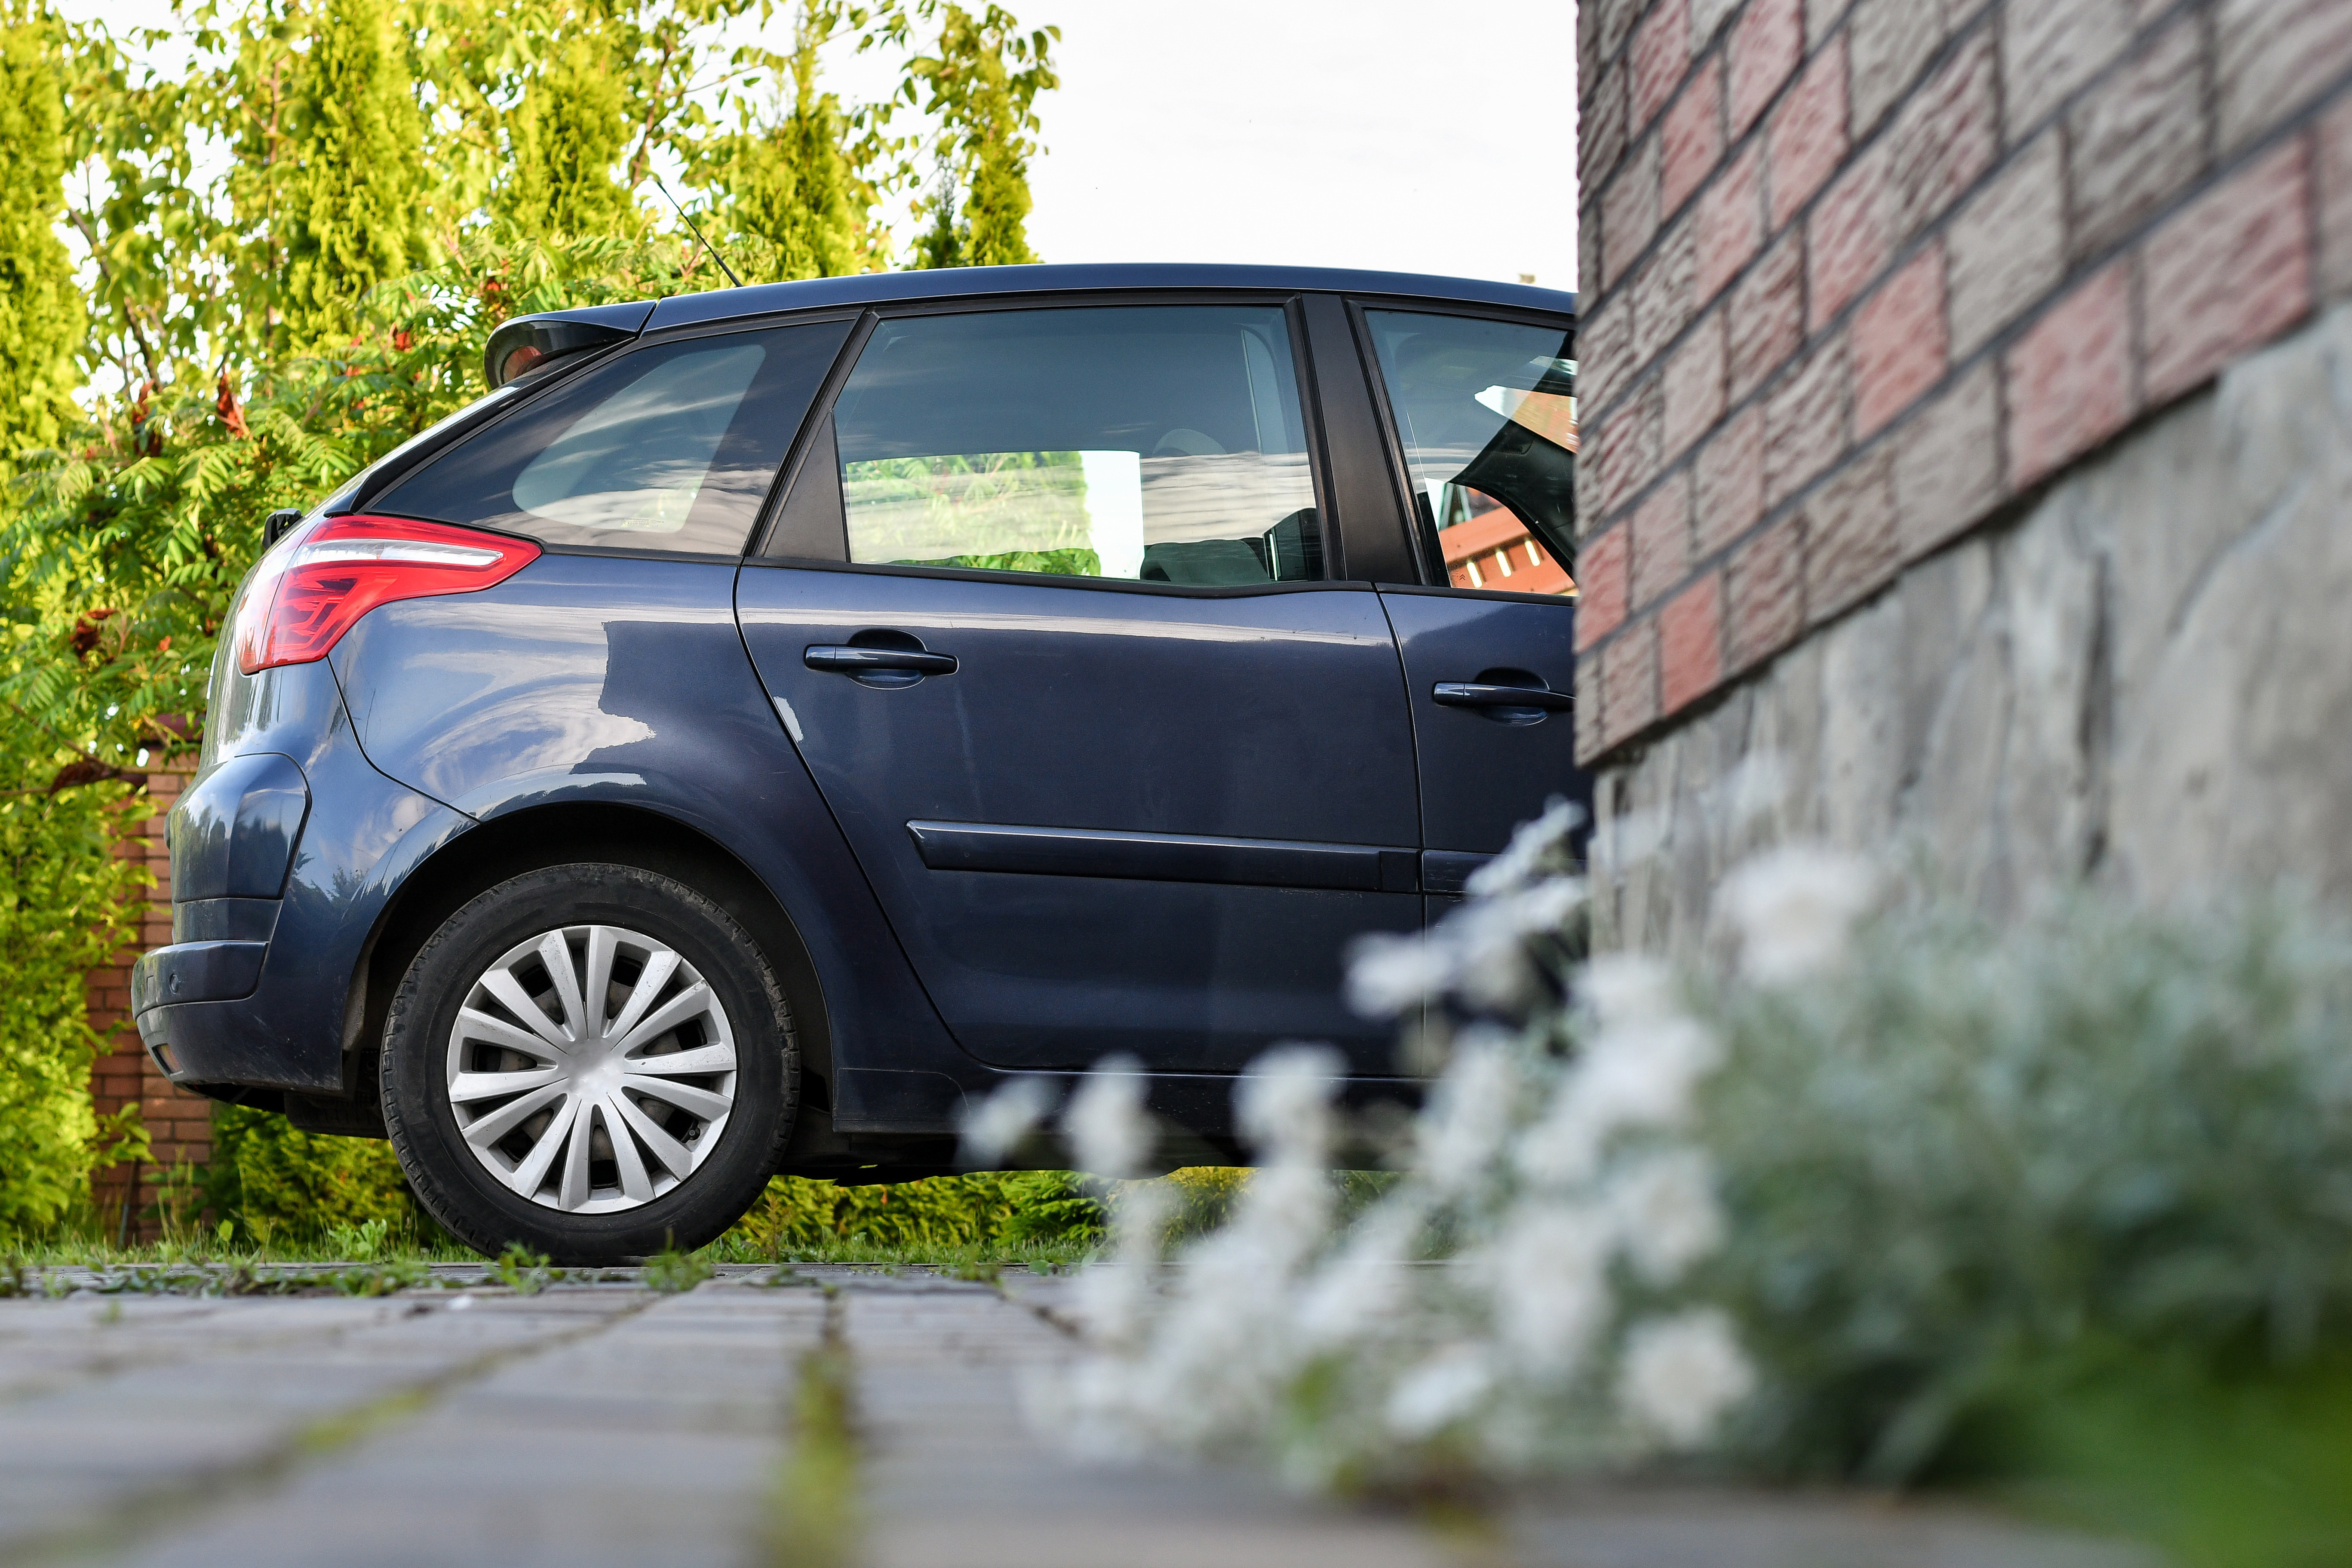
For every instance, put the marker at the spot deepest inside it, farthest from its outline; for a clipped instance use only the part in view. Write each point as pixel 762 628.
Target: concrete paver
pixel 595 1425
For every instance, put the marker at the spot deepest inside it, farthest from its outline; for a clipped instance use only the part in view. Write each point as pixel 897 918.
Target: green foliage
pixel 797 195
pixel 523 1270
pixel 1976 1160
pixel 41 320
pixel 994 1209
pixel 1070 562
pixel 2249 1472
pixel 982 84
pixel 276 1180
pixel 354 201
pixel 65 907
pixel 291 248
pixel 671 1271
pixel 567 137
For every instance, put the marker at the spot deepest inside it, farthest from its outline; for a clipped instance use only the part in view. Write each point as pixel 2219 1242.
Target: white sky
pixel 1369 135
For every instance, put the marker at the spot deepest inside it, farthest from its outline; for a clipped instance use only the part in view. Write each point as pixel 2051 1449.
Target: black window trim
pixel 1434 576
pixel 1290 302
pixel 570 369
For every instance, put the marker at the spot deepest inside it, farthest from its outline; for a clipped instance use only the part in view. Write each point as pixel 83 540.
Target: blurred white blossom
pixel 1683 1375
pixel 1794 909
pixel 1439 1391
pixel 996 1127
pixel 1469 1113
pixel 1664 1213
pixel 1109 1132
pixel 1283 1104
pixel 1628 988
pixel 1548 1271
pixel 1532 845
pixel 1388 974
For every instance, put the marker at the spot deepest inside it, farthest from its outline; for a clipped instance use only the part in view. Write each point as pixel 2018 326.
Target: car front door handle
pixel 1480 694
pixel 864 660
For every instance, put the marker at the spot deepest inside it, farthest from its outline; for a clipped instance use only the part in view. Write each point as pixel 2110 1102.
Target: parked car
pixel 771 720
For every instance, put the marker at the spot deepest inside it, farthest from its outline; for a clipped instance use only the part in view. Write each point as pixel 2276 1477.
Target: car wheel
pixel 595 1061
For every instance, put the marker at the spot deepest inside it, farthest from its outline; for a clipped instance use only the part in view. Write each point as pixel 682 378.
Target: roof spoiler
pixel 527 343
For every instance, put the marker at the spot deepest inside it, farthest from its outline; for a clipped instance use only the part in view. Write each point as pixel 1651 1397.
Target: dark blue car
pixel 771 720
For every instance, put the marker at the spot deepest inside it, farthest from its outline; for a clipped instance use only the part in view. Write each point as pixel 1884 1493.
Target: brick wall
pixel 1859 277
pixel 178 1124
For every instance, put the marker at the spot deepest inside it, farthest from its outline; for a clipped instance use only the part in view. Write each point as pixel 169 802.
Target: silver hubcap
pixel 592 1069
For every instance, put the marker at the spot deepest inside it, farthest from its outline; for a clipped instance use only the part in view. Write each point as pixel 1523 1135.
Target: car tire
pixel 609 1144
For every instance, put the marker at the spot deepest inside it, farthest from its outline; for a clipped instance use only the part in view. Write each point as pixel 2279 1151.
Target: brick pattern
pixel 179 1124
pixel 1865 273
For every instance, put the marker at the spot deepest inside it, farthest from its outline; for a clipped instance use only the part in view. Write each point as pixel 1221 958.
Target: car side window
pixel 1147 444
pixel 1486 414
pixel 671 448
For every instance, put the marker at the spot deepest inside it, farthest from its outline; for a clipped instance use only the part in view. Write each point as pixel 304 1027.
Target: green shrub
pixel 66 906
pixel 1975 1165
pixel 991 1208
pixel 275 1179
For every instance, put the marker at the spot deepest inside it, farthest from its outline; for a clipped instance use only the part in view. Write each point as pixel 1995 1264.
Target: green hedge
pixel 270 1179
pixel 66 906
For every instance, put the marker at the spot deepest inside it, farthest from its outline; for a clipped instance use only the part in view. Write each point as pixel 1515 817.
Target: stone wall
pixel 179 1124
pixel 2146 681
pixel 1904 459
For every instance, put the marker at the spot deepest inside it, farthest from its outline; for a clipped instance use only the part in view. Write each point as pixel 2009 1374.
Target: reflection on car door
pixel 1124 767
pixel 1482 412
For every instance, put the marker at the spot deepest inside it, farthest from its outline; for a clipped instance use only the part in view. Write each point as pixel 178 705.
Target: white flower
pixel 1358 1289
pixel 998 1124
pixel 1628 988
pixel 1640 1076
pixel 1681 1376
pixel 1388 974
pixel 1793 909
pixel 1530 842
pixel 1665 1214
pixel 1548 1272
pixel 1490 935
pixel 1109 1133
pixel 1462 1131
pixel 1111 1297
pixel 1283 1103
pixel 1439 1392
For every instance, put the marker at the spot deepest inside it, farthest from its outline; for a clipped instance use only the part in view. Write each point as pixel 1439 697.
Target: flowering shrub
pixel 1882 1180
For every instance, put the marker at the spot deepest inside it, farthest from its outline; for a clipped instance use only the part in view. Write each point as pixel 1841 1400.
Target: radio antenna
pixel 697 234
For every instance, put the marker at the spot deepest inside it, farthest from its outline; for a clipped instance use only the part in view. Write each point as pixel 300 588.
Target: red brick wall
pixel 1857 277
pixel 178 1124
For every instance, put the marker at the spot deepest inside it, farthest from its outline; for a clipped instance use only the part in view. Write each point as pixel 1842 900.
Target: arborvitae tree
pixel 566 138
pixel 41 320
pixel 984 83
pixel 793 187
pixel 355 206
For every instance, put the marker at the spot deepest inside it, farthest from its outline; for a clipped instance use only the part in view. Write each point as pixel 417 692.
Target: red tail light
pixel 322 578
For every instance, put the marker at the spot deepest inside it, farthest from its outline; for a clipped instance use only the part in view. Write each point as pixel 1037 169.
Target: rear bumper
pixel 257 991
pixel 196 971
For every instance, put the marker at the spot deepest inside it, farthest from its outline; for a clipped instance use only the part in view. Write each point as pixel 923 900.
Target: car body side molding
pixel 1165 857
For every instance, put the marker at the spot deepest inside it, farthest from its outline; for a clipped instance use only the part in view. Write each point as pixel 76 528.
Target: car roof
pixel 966 283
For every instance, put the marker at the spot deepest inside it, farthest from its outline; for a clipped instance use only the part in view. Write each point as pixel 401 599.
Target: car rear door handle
pixel 859 660
pixel 1480 694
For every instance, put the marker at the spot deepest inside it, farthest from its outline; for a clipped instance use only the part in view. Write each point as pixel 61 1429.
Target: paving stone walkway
pixel 596 1424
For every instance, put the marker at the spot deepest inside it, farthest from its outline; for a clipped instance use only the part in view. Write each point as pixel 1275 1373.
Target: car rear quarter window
pixel 1152 444
pixel 1486 411
pixel 671 446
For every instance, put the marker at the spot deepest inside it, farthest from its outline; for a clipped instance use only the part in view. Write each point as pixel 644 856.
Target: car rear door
pixel 1053 613
pixel 1479 413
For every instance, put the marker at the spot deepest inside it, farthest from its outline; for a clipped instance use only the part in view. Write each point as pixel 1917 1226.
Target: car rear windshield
pixel 670 447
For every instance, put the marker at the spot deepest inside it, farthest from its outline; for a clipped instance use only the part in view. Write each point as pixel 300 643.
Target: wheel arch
pixel 571 833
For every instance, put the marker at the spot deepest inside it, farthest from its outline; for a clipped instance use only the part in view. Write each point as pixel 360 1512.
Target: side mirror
pixel 274 526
